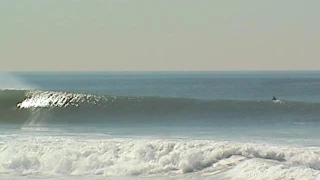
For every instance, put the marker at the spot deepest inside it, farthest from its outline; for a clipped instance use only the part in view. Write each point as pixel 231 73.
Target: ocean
pixel 160 125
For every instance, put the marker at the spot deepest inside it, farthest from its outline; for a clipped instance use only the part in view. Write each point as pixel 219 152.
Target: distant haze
pixel 164 35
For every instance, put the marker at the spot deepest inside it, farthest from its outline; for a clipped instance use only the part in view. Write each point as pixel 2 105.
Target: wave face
pixel 63 107
pixel 83 156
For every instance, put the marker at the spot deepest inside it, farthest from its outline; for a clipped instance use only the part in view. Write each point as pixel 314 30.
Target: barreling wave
pixel 19 105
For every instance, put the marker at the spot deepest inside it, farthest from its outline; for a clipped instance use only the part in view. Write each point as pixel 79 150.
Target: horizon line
pixel 146 71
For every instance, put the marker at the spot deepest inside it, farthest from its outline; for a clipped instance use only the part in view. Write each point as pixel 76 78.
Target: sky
pixel 159 35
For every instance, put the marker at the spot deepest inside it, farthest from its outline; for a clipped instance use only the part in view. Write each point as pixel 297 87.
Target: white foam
pixel 45 99
pixel 81 156
pixel 278 101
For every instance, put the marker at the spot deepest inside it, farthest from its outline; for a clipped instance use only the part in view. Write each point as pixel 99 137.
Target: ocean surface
pixel 160 125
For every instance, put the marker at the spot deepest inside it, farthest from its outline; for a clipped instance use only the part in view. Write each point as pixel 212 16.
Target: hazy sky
pixel 129 35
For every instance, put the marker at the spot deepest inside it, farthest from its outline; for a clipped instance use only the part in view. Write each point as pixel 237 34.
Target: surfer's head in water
pixel 274 98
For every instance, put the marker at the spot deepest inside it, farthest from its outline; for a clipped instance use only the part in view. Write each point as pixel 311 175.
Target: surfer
pixel 274 98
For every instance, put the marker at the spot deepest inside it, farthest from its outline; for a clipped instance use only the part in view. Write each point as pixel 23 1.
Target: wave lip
pixel 44 99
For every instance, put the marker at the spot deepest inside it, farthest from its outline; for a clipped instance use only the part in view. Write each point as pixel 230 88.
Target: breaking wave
pixel 125 157
pixel 49 106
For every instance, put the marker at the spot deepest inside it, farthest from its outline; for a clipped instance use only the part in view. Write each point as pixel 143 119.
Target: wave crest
pixel 43 99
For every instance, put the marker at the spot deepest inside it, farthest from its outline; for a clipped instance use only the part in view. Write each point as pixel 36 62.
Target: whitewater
pixel 160 125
